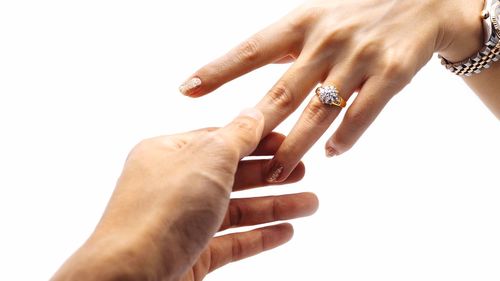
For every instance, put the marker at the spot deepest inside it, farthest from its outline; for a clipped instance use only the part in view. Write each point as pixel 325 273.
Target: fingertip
pixel 299 205
pixel 332 148
pixel 297 174
pixel 274 173
pixel 278 173
pixel 202 82
pixel 285 228
pixel 313 203
pixel 290 231
pixel 330 152
pixel 244 132
pixel 289 227
pixel 276 235
pixel 190 86
pixel 257 115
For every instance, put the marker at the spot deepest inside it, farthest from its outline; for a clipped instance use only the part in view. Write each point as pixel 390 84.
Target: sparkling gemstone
pixel 328 95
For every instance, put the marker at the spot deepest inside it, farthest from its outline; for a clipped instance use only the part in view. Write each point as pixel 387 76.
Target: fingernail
pixel 190 85
pixel 330 152
pixel 252 113
pixel 275 173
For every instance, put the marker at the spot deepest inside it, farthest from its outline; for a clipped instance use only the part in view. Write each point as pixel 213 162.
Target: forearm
pixel 487 86
pixel 469 38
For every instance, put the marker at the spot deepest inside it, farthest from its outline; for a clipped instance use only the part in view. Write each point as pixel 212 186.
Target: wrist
pixel 463 34
pixel 107 259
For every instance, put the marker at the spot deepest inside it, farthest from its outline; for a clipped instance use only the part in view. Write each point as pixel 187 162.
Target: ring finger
pixel 313 122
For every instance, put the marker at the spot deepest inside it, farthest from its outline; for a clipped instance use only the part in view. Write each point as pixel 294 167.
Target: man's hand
pixel 174 195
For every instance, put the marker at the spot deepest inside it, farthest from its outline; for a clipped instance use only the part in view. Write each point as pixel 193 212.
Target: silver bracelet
pixel 491 51
pixel 475 64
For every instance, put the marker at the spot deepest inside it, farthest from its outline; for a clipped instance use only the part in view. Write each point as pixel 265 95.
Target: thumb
pixel 244 133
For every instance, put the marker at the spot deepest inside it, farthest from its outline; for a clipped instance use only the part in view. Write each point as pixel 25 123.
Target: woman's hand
pixel 172 198
pixel 373 47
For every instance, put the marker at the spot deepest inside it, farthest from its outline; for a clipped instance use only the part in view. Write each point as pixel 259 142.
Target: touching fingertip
pixel 274 173
pixel 252 113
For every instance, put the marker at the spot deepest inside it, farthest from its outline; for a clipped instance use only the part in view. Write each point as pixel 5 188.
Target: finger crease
pixel 262 241
pixel 211 260
pixel 274 213
pixel 235 215
pixel 236 249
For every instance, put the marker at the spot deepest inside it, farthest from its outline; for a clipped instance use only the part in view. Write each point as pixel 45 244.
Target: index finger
pixel 267 46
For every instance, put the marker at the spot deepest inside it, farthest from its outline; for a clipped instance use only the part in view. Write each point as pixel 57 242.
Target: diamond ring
pixel 329 95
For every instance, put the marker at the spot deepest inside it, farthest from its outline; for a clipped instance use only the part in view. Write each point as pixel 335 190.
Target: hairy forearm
pixel 487 86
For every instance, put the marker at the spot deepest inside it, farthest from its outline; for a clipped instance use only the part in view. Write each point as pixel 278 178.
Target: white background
pixel 82 81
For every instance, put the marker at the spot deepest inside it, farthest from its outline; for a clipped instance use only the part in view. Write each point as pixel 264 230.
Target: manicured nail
pixel 330 152
pixel 190 85
pixel 252 113
pixel 275 173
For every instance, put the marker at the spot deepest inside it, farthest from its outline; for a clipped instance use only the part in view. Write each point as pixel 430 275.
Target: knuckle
pixel 341 34
pixel 246 124
pixel 246 131
pixel 330 41
pixel 308 15
pixel 246 128
pixel 249 50
pixel 220 144
pixel 335 37
pixel 367 50
pixel 317 113
pixel 235 215
pixel 213 137
pixel 276 210
pixel 237 248
pixel 281 96
pixel 214 140
pixel 397 70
